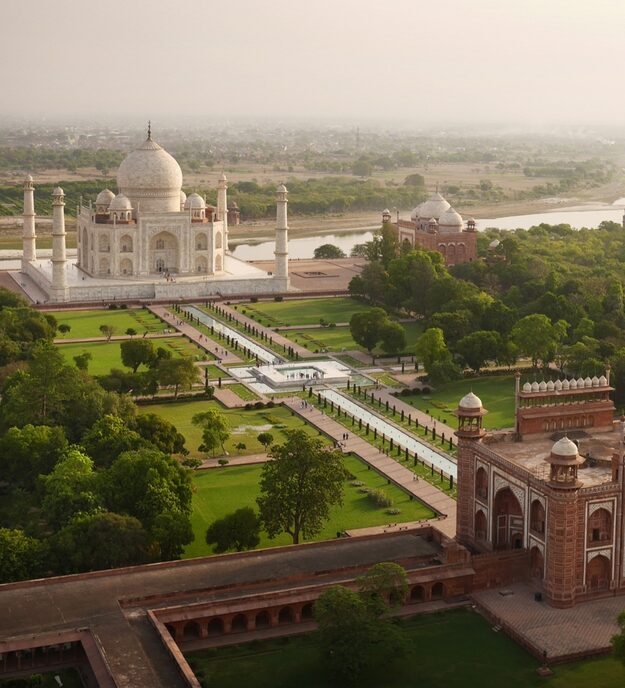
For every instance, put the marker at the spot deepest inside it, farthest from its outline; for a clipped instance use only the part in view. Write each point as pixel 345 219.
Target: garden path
pixel 206 343
pixel 394 471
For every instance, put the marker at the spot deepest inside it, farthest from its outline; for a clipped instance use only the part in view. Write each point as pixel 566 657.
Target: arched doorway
pixel 480 525
pixel 104 267
pixel 239 623
pixel 599 527
pixel 417 594
pixel 307 611
pixel 125 266
pixel 598 573
pixel 163 252
pixel 537 563
pixel 191 630
pixel 537 517
pixel 481 483
pixel 438 591
pixel 508 530
pixel 263 620
pixel 218 263
pixel 171 630
pixel 215 626
pixel 285 616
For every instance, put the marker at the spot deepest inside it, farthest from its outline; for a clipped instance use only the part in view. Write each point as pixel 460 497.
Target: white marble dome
pixel 450 218
pixel 566 385
pixel 120 202
pixel 58 191
pixel 494 244
pixel 527 387
pixel 564 447
pixel 434 207
pixel 558 385
pixel 104 197
pixel 183 197
pixel 603 381
pixel 470 401
pixel 194 201
pixel 151 178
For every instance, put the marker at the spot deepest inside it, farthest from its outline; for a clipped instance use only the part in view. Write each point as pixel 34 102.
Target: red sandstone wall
pixel 494 569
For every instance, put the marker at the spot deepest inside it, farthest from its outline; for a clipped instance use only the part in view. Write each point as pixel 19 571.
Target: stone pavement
pixel 586 627
pixel 116 338
pixel 392 470
pixel 185 328
pixel 277 338
pixel 246 460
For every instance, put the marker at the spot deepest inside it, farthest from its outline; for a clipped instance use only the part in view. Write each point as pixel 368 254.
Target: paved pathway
pixel 277 338
pixel 245 460
pixel 391 469
pixel 116 338
pixel 206 343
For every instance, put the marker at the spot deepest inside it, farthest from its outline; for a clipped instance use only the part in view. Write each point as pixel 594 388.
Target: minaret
pixel 281 270
pixel 222 206
pixel 59 259
pixel 29 249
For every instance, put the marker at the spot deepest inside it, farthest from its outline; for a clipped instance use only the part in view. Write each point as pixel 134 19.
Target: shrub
pixel 270 404
pixel 254 299
pixel 124 306
pixel 278 298
pixel 112 306
pixel 405 392
pixel 380 498
pixel 223 462
pixel 259 405
pixel 192 463
pixel 393 512
pixel 249 406
pixel 356 483
pixel 331 325
pixel 364 490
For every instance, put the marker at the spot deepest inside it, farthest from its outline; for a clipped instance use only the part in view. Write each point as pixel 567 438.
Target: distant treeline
pixel 33 159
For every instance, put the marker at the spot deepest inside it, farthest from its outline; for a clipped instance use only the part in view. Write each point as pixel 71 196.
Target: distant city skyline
pixel 530 63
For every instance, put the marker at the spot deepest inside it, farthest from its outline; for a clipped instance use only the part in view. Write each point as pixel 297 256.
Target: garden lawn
pixel 219 491
pixel 86 324
pixel 495 391
pixel 245 425
pixel 243 392
pixel 340 338
pixel 303 311
pixel 452 649
pixel 214 373
pixel 107 355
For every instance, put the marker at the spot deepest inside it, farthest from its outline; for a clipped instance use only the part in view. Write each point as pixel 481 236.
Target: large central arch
pixel 163 253
pixel 508 522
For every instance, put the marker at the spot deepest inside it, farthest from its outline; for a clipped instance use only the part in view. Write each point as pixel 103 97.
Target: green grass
pixel 495 391
pixel 387 379
pixel 302 311
pixel 69 679
pixel 340 339
pixel 220 491
pixel 351 361
pixel 244 425
pixel 86 324
pixel 214 373
pixel 452 649
pixel 242 391
pixel 107 355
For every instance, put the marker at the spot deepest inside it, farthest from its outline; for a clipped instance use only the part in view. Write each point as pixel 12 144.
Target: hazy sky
pixel 533 61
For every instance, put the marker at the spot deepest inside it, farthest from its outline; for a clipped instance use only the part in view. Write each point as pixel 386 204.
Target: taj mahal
pixel 148 241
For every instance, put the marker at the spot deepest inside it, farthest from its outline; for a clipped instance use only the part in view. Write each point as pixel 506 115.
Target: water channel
pixel 403 439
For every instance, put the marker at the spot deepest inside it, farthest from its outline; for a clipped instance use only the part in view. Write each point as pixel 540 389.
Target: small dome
pixel 104 197
pixel 550 386
pixel 595 381
pixel 120 202
pixel 415 214
pixel 564 447
pixel 183 197
pixel 432 221
pixel 581 383
pixel 222 177
pixel 542 387
pixel 194 201
pixel 470 401
pixel 233 205
pixel 58 191
pixel 558 385
pixel 573 384
pixel 535 387
pixel 603 381
pixel 588 382
pixel 435 206
pixel 386 211
pixel 566 385
pixel 527 387
pixel 281 188
pixel 494 244
pixel 450 218
pixel 28 178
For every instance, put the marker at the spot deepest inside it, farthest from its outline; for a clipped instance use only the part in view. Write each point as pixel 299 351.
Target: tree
pixel 131 332
pixel 362 168
pixel 137 352
pixel 214 428
pixel 171 533
pixel 69 489
pixel 354 636
pixel 64 328
pixel 431 347
pixel 393 338
pixel 535 336
pixel 177 372
pixel 238 530
pixel 109 437
pixel 103 540
pixel 265 438
pixel 29 452
pixel 144 484
pixel 385 583
pixel 82 360
pixel 618 641
pixel 479 347
pixel 298 487
pixel 414 179
pixel 367 327
pixel 160 432
pixel 21 556
pixel 107 331
pixel 328 251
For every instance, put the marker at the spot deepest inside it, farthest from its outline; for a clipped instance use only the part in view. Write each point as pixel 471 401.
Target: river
pixel 589 215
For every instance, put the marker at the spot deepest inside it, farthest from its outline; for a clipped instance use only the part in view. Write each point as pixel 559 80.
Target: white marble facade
pixel 149 240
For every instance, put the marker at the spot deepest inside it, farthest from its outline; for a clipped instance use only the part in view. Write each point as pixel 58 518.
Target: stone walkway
pixel 276 337
pixel 392 470
pixel 246 460
pixel 585 628
pixel 116 338
pixel 213 347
